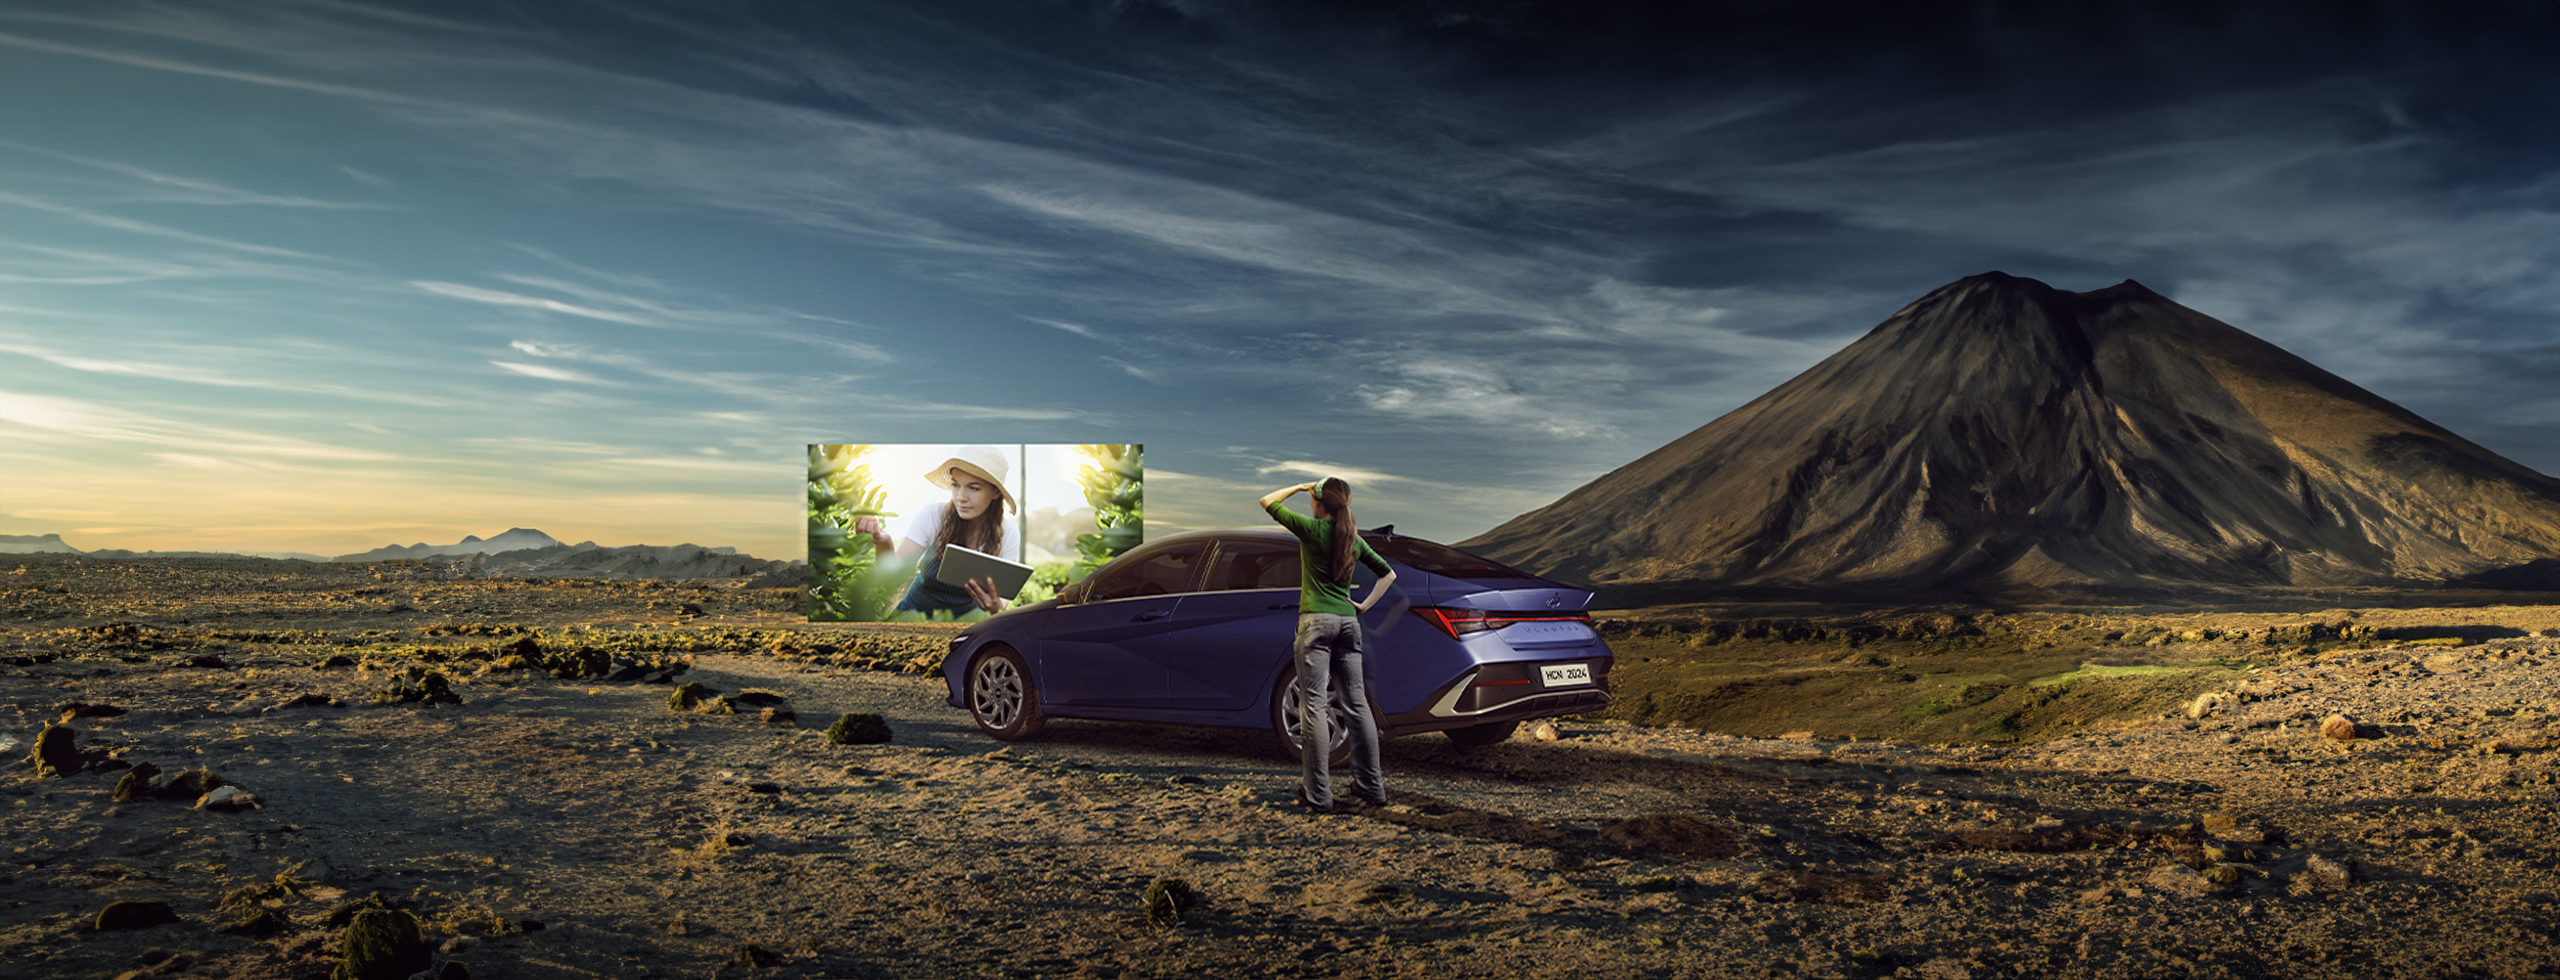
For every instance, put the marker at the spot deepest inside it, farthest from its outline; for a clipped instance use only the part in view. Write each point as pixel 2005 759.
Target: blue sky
pixel 322 276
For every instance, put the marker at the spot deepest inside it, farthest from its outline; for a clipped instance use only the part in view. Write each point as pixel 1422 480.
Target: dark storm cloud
pixel 1628 194
pixel 1376 236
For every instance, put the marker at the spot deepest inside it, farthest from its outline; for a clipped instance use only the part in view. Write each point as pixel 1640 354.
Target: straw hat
pixel 983 462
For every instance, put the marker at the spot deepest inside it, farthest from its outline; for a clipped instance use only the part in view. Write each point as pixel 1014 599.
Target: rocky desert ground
pixel 502 761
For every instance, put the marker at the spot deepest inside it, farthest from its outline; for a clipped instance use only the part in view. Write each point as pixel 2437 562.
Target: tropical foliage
pixel 1115 485
pixel 847 581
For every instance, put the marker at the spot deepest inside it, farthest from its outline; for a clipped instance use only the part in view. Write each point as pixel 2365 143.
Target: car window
pixel 1440 559
pixel 1159 573
pixel 1254 565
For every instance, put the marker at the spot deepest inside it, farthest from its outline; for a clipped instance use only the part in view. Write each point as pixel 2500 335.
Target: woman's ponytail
pixel 1336 496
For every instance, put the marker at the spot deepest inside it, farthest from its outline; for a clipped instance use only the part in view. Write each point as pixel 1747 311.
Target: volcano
pixel 1999 433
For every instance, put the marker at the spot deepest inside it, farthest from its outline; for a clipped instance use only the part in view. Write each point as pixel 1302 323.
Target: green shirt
pixel 1317 591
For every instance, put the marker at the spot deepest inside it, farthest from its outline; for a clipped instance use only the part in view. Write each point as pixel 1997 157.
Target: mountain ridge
pixel 511 539
pixel 1998 432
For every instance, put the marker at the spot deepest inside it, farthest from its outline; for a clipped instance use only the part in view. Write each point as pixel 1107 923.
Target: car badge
pixel 1554 602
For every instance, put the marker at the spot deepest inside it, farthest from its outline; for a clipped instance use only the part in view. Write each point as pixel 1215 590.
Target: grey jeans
pixel 1329 675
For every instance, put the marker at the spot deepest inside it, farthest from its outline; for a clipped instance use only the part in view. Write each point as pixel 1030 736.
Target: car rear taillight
pixel 1460 622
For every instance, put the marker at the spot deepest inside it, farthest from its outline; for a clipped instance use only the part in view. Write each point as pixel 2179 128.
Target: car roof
pixel 1270 533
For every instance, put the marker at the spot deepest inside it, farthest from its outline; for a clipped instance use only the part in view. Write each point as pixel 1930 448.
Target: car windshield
pixel 1440 559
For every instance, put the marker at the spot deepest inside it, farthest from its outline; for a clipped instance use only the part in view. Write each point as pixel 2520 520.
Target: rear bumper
pixel 1500 692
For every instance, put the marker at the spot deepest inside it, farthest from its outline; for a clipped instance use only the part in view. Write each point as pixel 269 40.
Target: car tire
pixel 1002 699
pixel 1479 736
pixel 1284 703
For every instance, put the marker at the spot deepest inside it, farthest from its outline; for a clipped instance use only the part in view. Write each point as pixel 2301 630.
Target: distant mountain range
pixel 586 560
pixel 42 544
pixel 518 552
pixel 1999 434
pixel 512 539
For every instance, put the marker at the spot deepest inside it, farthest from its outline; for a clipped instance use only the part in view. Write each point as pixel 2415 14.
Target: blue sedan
pixel 1195 628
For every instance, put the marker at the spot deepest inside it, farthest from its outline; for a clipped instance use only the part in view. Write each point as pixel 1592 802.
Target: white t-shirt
pixel 928 524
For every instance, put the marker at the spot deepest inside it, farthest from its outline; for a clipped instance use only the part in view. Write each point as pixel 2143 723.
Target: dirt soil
pixel 550 827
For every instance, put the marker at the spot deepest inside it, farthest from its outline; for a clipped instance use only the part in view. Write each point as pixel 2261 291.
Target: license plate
pixel 1564 675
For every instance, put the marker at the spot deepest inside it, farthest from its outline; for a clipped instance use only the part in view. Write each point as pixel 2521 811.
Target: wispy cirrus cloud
pixel 495 297
pixel 171 188
pixel 548 373
pixel 54 418
pixel 139 227
pixel 1322 469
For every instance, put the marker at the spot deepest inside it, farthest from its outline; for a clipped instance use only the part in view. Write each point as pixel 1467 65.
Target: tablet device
pixel 959 565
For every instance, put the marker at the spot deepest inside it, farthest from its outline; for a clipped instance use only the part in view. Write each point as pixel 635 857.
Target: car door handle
pixel 1151 615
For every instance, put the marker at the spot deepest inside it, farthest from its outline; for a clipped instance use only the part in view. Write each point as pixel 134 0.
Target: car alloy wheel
pixel 1002 699
pixel 1284 722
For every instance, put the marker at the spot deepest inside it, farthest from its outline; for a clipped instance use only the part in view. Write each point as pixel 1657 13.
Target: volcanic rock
pixel 382 945
pixel 138 914
pixel 56 753
pixel 858 728
pixel 77 709
pixel 2001 434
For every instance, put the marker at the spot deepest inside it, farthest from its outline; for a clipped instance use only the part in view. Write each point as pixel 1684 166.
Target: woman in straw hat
pixel 974 518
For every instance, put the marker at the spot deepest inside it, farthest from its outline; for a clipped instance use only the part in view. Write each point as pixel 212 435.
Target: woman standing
pixel 1328 647
pixel 972 519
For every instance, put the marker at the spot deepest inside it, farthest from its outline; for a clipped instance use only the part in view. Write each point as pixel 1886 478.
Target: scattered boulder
pixel 191 784
pixel 1166 901
pixel 625 672
pixel 417 685
pixel 227 799
pixel 779 716
pixel 2321 873
pixel 76 709
pixel 208 661
pixel 57 752
pixel 505 665
pixel 2211 703
pixel 308 700
pixel 335 660
pixel 691 696
pixel 2338 728
pixel 1545 731
pixel 857 728
pixel 137 783
pixel 344 913
pixel 382 944
pixel 136 914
